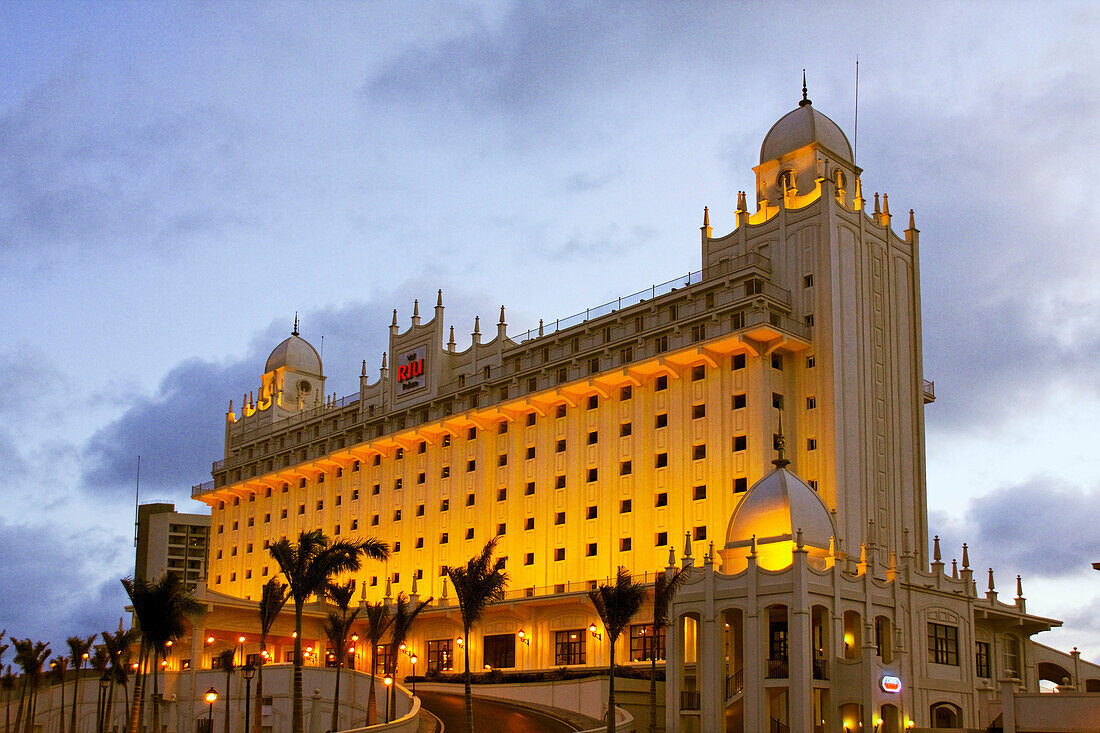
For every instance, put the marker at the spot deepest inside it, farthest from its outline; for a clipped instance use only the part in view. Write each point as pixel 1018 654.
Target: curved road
pixel 489 715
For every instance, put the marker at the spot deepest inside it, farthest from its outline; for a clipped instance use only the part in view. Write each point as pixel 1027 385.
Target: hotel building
pixel 641 433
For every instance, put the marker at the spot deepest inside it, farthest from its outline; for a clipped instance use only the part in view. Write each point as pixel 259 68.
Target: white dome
pixel 776 507
pixel 295 354
pixel 800 127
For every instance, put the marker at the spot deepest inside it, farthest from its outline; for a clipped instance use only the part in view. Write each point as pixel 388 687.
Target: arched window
pixel 785 181
pixel 946 715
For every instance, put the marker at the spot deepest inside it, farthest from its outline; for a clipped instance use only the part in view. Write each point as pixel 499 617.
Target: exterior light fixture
pixel 293 634
pixel 595 634
pixel 210 696
pixel 523 637
pixel 240 639
pixel 388 680
pixel 355 637
pixel 488 668
pixel 460 642
pixel 210 640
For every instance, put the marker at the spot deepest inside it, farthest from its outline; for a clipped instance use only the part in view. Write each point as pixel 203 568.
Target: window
pixel 397 484
pixel 469 533
pixel 559 483
pixel 810 362
pixel 444 505
pixel 559 554
pixel 421 477
pixel 662 383
pixel 777 400
pixel 662 499
pixel 982 662
pixel 569 647
pixel 644 643
pixel 807 281
pixel 740 442
pixel 378 459
pixel 777 361
pixel 530 489
pixel 811 443
pixel 662 539
pixel 943 644
pixel 563 375
pixel 419 542
pixel 502 529
pixel 469 499
pixel 400 454
pixel 301 510
pixel 754 287
pixel 530 419
pixel 660 344
pixel 698 452
pixel 593 365
pixel 811 403
pixel 446 441
pixel 559 447
pixel 590 550
pixel 698 411
pixel 625 506
pixel 529 523
pixel 373 520
pixel 662 460
pixel 624 544
pixel 738 361
pixel 625 468
pixel 626 428
pixel 698 373
pixel 532 384
pixel 813 484
pixel 699 533
pixel 502 459
pixel 593 437
pixel 530 452
pixel 592 474
pixel 500 651
pixel 439 655
pixel 593 402
pixel 376 489
pixel 661 420
pixel 809 319
pixel 591 512
pixel 471 465
pixel 502 428
pixel 444 538
pixel 559 518
pixel 626 393
pixel 699 492
pixel 282 516
pixel 419 510
pixel 1012 656
pixel 471 434
pixel 560 412
pixel 396 515
pixel 445 472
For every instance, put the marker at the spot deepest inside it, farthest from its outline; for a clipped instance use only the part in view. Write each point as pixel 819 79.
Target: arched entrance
pixel 946 715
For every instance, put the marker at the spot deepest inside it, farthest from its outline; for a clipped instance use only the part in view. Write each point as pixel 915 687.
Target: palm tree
pixel 404 613
pixel 225 662
pixel 22 651
pixel 118 648
pixel 664 590
pixel 272 600
pixel 616 604
pixel 100 663
pixel 338 630
pixel 57 669
pixel 7 682
pixel 308 565
pixel 477 584
pixel 32 657
pixel 161 609
pixel 78 652
pixel 378 621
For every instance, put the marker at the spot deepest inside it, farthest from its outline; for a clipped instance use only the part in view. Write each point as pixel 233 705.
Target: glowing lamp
pixel 240 639
pixel 85 655
pixel 210 640
pixel 355 637
pixel 211 696
pixel 351 650
pixel 309 650
pixel 293 634
pixel 134 665
pixel 167 643
pixel 488 668
pixel 413 659
pixel 164 664
pixel 460 642
pixel 388 680
pixel 402 647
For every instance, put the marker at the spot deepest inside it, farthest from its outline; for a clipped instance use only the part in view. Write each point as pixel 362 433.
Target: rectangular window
pixel 661 421
pixel 469 499
pixel 662 383
pixel 471 434
pixel 559 518
pixel 469 533
pixel 699 533
pixel 559 447
pixel 440 658
pixel 446 441
pixel 444 505
pixel 1012 656
pixel 593 402
pixel 738 361
pixel 530 489
pixel 502 459
pixel 560 482
pixel 400 453
pixel 397 484
pixel 943 644
pixel 444 538
pixel 499 651
pixel 662 539
pixel 740 442
pixel 592 474
pixel 698 452
pixel 421 477
pixel 624 506
pixel 698 411
pixel 591 512
pixel 626 393
pixel 396 515
pixel 662 499
pixel 660 344
pixel 562 375
pixel 502 529
pixel 626 429
pixel 811 443
pixel 982 664
pixel 807 281
pixel 777 362
pixel 530 419
pixel 593 437
pixel 559 554
pixel 644 644
pixel 560 412
pixel 569 647
pixel 698 373
pixel 809 319
pixel 530 452
pixel 662 460
pixel 625 468
pixel 594 365
pixel 445 472
pixel 376 489
pixel 529 558
pixel 624 544
pixel 810 362
pixel 811 403
pixel 529 523
pixel 699 492
pixel 471 465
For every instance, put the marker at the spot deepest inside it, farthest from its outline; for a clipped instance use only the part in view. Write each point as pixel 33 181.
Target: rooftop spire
pixel 966 557
pixel 780 444
pixel 416 308
pixel 936 548
pixel 805 100
pixel 439 298
pixel 706 216
pixel 501 315
pixel 295 331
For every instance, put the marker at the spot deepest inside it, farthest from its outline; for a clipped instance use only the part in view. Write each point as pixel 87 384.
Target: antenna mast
pixel 137 491
pixel 855 132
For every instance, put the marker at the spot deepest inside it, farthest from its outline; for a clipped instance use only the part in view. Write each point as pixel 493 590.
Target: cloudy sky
pixel 176 180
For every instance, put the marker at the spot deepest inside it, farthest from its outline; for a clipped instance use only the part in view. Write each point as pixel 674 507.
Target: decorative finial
pixel 991 586
pixel 798 539
pixel 394 323
pixel 1019 587
pixel 780 444
pixel 706 217
pixel 805 100
pixel 413 591
pixel 954 568
pixel 416 308
pixel 501 315
pixel 295 331
pixel 886 204
pixel 364 372
pixel 439 299
pixel 477 324
pixel 540 327
pixel 383 359
pixel 671 556
pixel 752 547
pixel 451 340
pixel 966 557
pixel 877 209
pixel 687 544
pixel 936 548
pixel 912 224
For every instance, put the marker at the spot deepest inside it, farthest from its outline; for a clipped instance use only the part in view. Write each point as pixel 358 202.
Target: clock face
pixel 304 387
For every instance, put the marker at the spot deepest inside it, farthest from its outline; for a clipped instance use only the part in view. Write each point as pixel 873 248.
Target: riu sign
pixel 890 683
pixel 410 369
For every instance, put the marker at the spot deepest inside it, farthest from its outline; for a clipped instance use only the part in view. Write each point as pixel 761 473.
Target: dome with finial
pixel 295 354
pixel 802 126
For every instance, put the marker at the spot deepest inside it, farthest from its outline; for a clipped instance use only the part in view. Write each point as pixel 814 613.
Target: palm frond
pixel 664 591
pixel 478 584
pixel 618 603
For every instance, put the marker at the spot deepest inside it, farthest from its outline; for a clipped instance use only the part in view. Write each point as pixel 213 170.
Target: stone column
pixel 710 674
pixel 674 664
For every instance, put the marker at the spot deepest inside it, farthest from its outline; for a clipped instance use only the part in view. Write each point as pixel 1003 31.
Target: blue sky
pixel 178 179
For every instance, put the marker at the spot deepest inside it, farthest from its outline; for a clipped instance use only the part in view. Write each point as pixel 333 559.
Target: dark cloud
pixel 1041 528
pixel 58 583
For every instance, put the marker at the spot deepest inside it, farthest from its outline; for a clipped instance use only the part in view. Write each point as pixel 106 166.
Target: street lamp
pixel 104 686
pixel 247 671
pixel 413 660
pixel 211 696
pixel 389 683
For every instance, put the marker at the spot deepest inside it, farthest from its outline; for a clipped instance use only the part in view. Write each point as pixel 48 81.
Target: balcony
pixel 735 684
pixel 821 669
pixel 778 668
pixel 929 391
pixel 689 699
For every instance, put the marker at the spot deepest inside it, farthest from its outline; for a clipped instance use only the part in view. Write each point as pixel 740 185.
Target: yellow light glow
pixel 240 639
pixel 402 647
pixel 85 655
pixel 460 642
pixel 389 680
pixel 413 659
pixel 167 643
pixel 164 664
pixel 211 696
pixel 210 640
pixel 878 721
pixel 849 640
pixel 351 650
pixel 355 637
pixel 309 650
pixel 522 635
pixel 293 634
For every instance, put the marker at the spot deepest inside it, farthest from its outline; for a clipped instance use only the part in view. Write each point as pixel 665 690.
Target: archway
pixel 891 719
pixel 1056 674
pixel 946 715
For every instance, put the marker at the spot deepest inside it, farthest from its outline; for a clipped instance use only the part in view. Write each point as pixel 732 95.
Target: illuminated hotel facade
pixel 631 435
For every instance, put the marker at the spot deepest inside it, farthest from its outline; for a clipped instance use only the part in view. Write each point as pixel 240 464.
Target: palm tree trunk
pixel 372 701
pixel 228 679
pixel 135 703
pixel 257 712
pixel 22 697
pixel 297 724
pixel 32 705
pixel 336 699
pixel 156 691
pixel 611 689
pixel 76 691
pixel 61 721
pixel 466 681
pixel 653 686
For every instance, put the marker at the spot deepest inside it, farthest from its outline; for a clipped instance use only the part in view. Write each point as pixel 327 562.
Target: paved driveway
pixel 490 716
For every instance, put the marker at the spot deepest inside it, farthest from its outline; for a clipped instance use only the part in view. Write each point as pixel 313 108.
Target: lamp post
pixel 210 697
pixel 104 686
pixel 413 660
pixel 389 683
pixel 247 671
